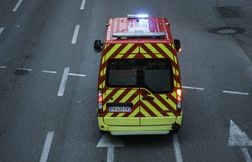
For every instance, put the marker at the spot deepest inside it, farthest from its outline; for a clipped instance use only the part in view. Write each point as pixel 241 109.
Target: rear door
pixel 157 94
pixel 121 103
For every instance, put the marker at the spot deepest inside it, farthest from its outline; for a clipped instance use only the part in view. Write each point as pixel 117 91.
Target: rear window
pixel 153 74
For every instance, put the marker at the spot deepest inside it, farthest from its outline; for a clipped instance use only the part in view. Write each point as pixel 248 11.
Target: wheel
pixel 175 128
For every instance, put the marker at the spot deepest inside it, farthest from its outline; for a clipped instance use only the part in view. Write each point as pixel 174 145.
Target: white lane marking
pixel 1 30
pixel 110 154
pixel 47 146
pixel 2 67
pixel 177 150
pixel 50 72
pixel 63 81
pixel 237 137
pixel 83 3
pixel 194 88
pixel 79 75
pixel 246 154
pixel 17 6
pixel 110 142
pixel 75 34
pixel 234 92
pixel 27 69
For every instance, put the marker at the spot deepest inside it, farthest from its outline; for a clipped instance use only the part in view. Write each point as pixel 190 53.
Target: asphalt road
pixel 45 43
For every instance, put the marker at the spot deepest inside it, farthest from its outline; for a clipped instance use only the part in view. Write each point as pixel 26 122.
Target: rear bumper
pixel 138 129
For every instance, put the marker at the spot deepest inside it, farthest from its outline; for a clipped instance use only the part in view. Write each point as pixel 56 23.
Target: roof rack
pixel 138 34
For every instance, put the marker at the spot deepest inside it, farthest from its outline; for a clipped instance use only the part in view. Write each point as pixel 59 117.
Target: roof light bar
pixel 141 16
pixel 138 34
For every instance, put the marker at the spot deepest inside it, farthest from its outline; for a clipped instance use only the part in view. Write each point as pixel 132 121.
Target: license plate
pixel 123 109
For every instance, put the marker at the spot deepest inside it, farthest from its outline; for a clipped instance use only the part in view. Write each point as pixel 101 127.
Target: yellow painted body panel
pixel 123 121
pixel 179 120
pixel 157 120
pixel 166 126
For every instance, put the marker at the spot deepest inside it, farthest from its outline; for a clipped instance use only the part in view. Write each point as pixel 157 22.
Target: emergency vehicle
pixel 139 85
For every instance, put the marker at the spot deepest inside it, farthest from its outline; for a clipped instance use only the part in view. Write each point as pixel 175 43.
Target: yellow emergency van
pixel 139 85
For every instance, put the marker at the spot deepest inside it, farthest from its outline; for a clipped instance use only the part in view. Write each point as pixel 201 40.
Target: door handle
pixel 148 98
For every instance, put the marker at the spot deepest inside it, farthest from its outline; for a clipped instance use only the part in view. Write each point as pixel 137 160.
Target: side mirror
pixel 177 45
pixel 98 45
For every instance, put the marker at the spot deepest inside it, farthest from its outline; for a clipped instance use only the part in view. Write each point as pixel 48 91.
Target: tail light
pixel 179 95
pixel 100 102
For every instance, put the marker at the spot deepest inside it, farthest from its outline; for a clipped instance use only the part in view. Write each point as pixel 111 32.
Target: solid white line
pixel 177 150
pixel 110 154
pixel 246 154
pixel 63 81
pixel 1 30
pixel 17 5
pixel 234 92
pixel 50 72
pixel 27 69
pixel 79 75
pixel 194 88
pixel 2 67
pixel 47 146
pixel 75 34
pixel 83 3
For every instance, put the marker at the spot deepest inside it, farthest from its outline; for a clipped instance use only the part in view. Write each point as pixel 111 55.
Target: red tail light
pixel 179 95
pixel 99 97
pixel 100 102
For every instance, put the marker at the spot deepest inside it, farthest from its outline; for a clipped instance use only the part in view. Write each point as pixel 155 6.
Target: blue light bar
pixel 141 16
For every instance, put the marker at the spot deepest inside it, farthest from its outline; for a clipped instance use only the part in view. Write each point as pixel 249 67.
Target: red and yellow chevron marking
pixel 160 106
pixel 134 50
pixel 163 104
pixel 121 95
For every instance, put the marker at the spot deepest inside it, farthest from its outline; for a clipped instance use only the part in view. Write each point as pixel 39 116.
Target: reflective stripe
pixel 142 50
pixel 151 48
pixel 175 60
pixel 126 48
pixel 147 56
pixel 149 112
pixel 167 102
pixel 174 94
pixel 160 104
pixel 153 109
pixel 144 112
pixel 166 51
pixel 134 113
pixel 112 51
pixel 126 97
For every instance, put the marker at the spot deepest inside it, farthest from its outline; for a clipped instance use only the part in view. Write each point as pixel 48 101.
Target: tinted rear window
pixel 154 74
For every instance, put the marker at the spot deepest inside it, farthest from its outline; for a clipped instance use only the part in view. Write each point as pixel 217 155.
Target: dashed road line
pixel 47 146
pixel 17 6
pixel 1 30
pixel 2 67
pixel 79 75
pixel 193 88
pixel 48 71
pixel 27 69
pixel 75 34
pixel 235 92
pixel 83 3
pixel 63 81
pixel 178 154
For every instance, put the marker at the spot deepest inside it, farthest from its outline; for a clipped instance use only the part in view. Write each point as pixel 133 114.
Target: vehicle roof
pixel 138 25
